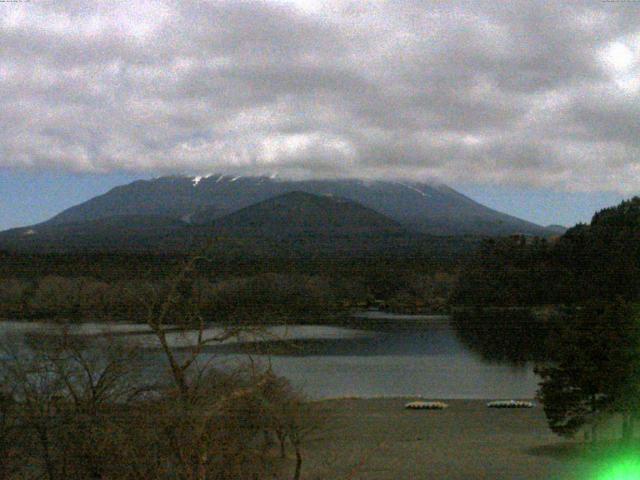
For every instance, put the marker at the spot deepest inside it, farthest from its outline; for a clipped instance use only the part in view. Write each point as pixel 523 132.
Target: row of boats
pixel 422 405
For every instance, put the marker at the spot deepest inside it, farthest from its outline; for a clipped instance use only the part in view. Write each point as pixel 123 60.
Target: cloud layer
pixel 520 92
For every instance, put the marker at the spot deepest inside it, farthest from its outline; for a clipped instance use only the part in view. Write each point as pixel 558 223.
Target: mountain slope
pixel 298 213
pixel 299 224
pixel 557 229
pixel 312 222
pixel 433 209
pixel 124 231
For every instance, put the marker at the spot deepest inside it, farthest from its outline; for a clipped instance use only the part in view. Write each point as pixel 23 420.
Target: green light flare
pixel 626 467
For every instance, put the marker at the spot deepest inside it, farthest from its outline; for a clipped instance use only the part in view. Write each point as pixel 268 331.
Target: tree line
pixel 596 261
pixel 262 297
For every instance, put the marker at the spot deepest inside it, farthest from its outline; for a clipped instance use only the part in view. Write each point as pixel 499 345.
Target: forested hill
pixel 596 261
pixel 304 213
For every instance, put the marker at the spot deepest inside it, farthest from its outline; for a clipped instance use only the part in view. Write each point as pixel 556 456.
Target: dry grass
pixel 378 439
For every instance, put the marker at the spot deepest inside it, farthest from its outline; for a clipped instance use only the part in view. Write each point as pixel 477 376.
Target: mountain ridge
pixel 301 212
pixel 314 221
pixel 423 207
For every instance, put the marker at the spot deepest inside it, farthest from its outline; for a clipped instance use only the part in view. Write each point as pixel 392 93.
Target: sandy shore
pixel 377 439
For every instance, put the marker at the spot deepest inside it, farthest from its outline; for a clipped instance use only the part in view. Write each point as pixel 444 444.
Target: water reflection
pixel 512 336
pixel 373 354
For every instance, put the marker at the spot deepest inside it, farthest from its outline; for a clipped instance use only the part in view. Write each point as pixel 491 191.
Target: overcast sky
pixel 530 95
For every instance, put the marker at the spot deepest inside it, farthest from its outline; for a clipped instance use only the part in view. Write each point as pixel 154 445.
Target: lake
pixel 377 355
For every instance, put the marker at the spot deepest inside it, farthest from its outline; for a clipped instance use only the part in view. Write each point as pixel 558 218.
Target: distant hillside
pixel 588 262
pixel 130 232
pixel 300 213
pixel 294 225
pixel 304 225
pixel 427 208
pixel 557 229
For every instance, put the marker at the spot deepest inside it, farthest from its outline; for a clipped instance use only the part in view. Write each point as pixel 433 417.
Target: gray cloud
pixel 535 93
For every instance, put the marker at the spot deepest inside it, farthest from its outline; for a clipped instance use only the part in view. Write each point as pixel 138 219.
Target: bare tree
pixel 218 422
pixel 9 434
pixel 36 390
pixel 67 391
pixel 289 415
pixel 199 401
pixel 88 411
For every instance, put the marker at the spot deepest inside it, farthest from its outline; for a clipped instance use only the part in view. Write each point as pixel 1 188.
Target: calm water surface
pixel 380 355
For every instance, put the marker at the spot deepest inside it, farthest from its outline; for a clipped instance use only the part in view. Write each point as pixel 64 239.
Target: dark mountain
pixel 301 213
pixel 304 225
pixel 295 226
pixel 133 232
pixel 295 222
pixel 557 229
pixel 427 208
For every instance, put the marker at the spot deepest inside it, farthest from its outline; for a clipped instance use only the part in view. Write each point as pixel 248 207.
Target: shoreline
pixel 422 398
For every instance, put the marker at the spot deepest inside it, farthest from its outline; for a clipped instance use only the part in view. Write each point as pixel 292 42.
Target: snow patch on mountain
pixel 198 179
pixel 417 190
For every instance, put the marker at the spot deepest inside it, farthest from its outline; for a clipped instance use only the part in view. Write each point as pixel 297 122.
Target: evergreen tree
pixel 595 370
